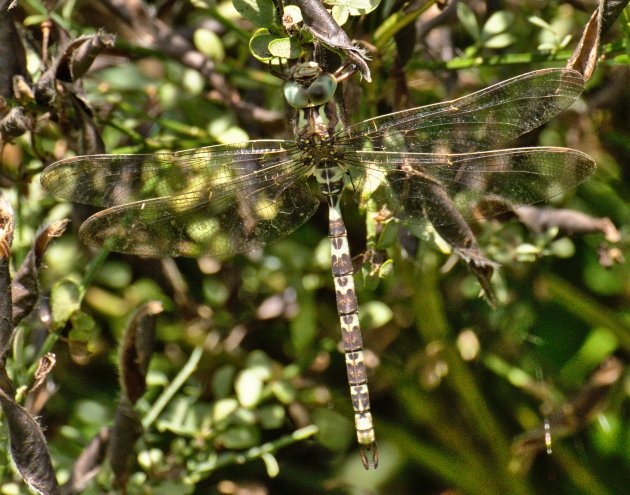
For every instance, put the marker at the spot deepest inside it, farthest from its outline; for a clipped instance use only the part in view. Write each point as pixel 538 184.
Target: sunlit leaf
pixel 271 463
pixel 64 301
pixel 285 48
pixel 248 386
pixel 375 314
pixel 261 13
pixel 259 45
pixel 340 14
pixel 498 22
pixel 500 41
pixel 356 7
pixel 467 18
pixel 208 43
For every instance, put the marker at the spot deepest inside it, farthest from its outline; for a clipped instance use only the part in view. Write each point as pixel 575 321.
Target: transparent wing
pixel 110 180
pixel 479 121
pixel 216 200
pixel 432 186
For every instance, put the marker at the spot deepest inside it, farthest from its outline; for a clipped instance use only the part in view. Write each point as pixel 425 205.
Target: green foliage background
pixel 453 381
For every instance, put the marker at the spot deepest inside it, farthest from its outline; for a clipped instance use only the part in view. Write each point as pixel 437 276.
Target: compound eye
pixel 295 94
pixel 322 89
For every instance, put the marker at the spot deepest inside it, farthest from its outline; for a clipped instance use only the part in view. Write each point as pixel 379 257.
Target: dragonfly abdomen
pixel 347 307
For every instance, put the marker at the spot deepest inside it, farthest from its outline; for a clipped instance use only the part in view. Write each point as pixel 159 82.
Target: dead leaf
pixel 44 366
pixel 88 463
pixel 28 447
pixel 6 238
pixel 25 285
pixel 15 123
pixel 584 58
pixel 612 10
pixel 124 433
pixel 325 29
pixel 12 55
pixel 78 55
pixel 585 55
pixel 568 221
pixel 609 255
pixel 136 350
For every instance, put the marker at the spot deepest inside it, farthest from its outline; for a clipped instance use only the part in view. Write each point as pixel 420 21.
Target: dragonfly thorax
pixel 317 128
pixel 329 170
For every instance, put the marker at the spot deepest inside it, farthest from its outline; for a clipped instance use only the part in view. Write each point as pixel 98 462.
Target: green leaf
pixel 209 44
pixel 271 463
pixel 356 7
pixel 335 430
pixel 389 235
pixel 260 363
pixel 248 386
pixel 537 21
pixel 180 418
pixel 114 274
pixel 599 344
pixel 369 276
pixel 193 82
pixel 223 409
pixel 303 326
pixel 202 4
pixel 260 13
pixel 65 299
pixel 233 134
pixel 82 335
pixel 151 458
pixel 386 269
pixel 565 41
pixel 546 47
pixel 500 41
pixel 239 437
pixel 83 327
pixel 498 22
pixel 340 14
pixel 272 416
pixel 283 391
pixel 467 18
pixel 259 45
pixel 215 291
pixel 285 48
pixel 375 314
pixel 563 248
pixel 222 380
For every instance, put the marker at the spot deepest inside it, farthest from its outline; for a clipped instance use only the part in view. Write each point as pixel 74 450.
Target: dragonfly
pixel 433 162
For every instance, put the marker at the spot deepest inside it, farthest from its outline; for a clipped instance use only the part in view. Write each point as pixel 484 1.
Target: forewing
pixel 479 121
pixel 217 200
pixel 432 186
pixel 112 180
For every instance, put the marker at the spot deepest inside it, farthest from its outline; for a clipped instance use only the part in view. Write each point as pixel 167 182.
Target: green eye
pixel 295 94
pixel 322 89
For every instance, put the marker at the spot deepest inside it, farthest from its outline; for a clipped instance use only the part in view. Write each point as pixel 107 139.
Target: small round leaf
pixel 64 301
pixel 285 48
pixel 209 44
pixel 248 387
pixel 260 13
pixel 259 45
pixel 497 23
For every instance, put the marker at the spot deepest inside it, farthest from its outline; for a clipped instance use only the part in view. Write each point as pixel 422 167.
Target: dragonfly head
pixel 310 92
